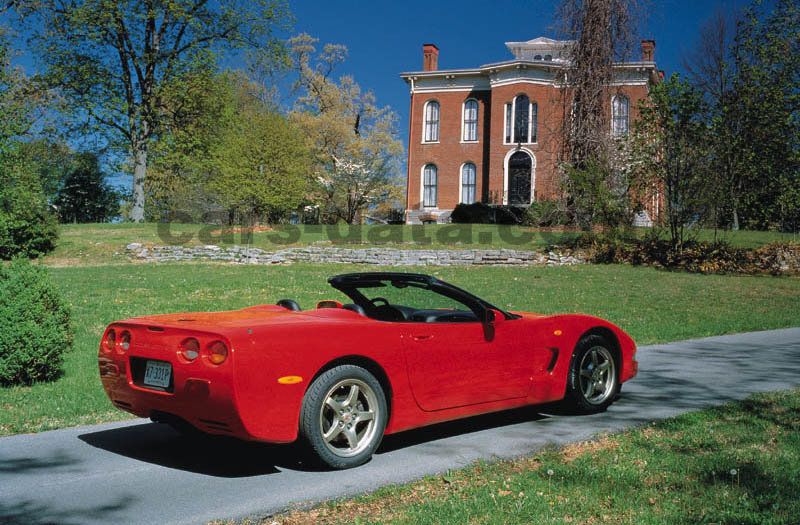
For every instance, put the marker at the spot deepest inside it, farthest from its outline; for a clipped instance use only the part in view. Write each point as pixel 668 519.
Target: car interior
pixel 381 309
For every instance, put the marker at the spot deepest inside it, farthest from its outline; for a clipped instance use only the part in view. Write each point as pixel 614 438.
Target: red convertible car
pixel 406 350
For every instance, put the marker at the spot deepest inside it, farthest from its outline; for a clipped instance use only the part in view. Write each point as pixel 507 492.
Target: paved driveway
pixel 139 472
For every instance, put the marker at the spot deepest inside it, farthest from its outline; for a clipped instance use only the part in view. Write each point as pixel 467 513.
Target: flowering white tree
pixel 355 142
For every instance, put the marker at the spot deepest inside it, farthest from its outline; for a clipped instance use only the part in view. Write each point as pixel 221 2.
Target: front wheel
pixel 593 381
pixel 343 416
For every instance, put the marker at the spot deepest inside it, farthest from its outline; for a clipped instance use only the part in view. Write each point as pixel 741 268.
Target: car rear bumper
pixel 202 402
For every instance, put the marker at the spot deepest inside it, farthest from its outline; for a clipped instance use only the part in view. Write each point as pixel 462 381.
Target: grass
pixel 653 306
pixel 735 464
pixel 105 243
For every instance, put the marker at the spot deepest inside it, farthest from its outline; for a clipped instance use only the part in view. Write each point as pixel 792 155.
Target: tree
pixel 84 195
pixel 601 31
pixel 670 151
pixel 110 60
pixel 711 68
pixel 227 150
pixel 27 227
pixel 355 143
pixel 767 58
pixel 260 169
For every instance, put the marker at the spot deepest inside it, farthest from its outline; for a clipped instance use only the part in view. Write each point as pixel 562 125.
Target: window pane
pixel 471 120
pixel 521 109
pixel 431 131
pixel 429 186
pixel 534 122
pixel 619 115
pixel 509 120
pixel 468 183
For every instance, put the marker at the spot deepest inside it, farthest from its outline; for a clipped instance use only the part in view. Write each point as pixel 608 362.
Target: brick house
pixel 492 134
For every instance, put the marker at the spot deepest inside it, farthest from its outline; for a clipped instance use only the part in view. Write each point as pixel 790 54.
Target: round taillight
pixel 124 341
pixel 217 352
pixel 110 340
pixel 190 349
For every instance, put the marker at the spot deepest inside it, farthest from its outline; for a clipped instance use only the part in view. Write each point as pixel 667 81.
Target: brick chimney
pixel 648 50
pixel 430 57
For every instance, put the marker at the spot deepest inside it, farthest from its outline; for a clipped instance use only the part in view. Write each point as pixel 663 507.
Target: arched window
pixel 522 108
pixel 620 112
pixel 430 132
pixel 468 183
pixel 521 121
pixel 429 185
pixel 471 120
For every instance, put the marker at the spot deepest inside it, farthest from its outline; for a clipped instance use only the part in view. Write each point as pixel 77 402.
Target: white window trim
pixel 425 122
pixel 505 173
pixel 464 122
pixel 628 125
pixel 422 187
pixel 461 183
pixel 513 104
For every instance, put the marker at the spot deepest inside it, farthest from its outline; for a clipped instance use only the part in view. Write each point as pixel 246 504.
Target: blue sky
pixel 385 38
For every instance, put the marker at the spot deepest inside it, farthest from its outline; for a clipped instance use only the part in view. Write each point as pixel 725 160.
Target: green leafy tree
pixel 84 195
pixel 767 58
pixel 355 143
pixel 670 150
pixel 50 159
pixel 27 227
pixel 260 168
pixel 111 60
pixel 228 150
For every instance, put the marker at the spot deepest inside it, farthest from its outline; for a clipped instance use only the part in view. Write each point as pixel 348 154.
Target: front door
pixel 519 179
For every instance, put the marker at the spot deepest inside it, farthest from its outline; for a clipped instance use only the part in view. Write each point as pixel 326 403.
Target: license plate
pixel 157 373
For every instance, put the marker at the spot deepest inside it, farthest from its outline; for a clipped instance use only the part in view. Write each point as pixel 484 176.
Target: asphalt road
pixel 139 472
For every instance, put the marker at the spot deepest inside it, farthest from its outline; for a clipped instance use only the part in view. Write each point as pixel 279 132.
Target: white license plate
pixel 157 373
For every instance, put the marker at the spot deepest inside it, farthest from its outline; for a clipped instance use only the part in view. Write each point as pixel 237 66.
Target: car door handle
pixel 422 337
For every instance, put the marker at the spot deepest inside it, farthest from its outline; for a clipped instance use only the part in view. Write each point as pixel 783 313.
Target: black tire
pixel 343 425
pixel 586 375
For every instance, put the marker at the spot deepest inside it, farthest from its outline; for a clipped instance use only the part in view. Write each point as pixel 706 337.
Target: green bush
pixel 35 329
pixel 480 213
pixel 27 227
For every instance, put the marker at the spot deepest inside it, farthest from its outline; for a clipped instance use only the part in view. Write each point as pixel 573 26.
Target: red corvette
pixel 406 351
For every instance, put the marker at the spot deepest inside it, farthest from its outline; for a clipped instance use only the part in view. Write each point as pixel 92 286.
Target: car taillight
pixel 190 349
pixel 110 340
pixel 217 352
pixel 124 341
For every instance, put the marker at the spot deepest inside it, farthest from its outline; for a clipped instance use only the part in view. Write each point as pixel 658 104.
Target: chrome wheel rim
pixel 347 419
pixel 597 375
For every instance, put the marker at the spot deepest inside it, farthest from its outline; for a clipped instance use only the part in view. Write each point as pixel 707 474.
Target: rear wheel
pixel 343 416
pixel 593 381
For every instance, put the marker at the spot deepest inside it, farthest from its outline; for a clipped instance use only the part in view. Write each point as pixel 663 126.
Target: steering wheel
pixel 375 299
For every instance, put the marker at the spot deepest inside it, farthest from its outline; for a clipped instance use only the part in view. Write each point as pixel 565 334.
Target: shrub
pixel 480 213
pixel 545 214
pixel 35 329
pixel 27 228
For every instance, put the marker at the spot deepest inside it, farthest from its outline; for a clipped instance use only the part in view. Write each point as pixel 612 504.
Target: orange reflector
pixel 290 380
pixel 218 352
pixel 557 332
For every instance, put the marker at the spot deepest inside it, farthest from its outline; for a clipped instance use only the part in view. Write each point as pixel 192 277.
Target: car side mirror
pixel 493 317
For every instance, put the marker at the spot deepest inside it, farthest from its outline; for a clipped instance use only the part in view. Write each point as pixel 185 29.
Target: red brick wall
pixel 489 153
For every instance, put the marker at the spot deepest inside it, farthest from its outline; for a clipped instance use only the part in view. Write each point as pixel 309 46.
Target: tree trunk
pixel 139 174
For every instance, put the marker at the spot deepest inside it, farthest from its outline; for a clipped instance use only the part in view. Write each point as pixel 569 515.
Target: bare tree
pixel 602 32
pixel 712 69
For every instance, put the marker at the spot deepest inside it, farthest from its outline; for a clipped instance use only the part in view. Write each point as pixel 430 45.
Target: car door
pixel 466 363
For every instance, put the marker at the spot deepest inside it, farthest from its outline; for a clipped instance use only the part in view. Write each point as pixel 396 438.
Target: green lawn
pixel 652 305
pixel 94 244
pixel 735 464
